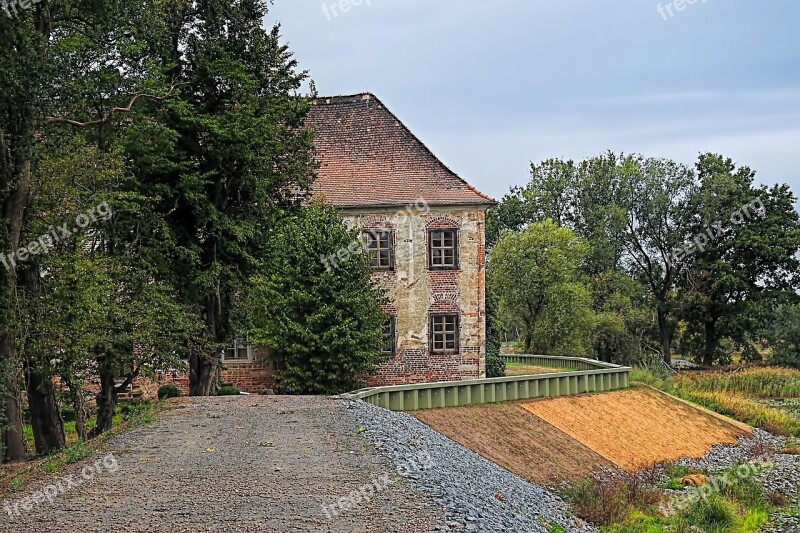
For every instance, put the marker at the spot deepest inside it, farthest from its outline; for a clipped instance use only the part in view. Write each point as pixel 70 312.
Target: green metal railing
pixel 593 376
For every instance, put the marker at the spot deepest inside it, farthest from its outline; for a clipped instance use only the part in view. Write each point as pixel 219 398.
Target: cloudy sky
pixel 490 86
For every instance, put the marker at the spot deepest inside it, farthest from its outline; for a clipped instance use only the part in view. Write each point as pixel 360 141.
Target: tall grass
pixel 737 395
pixel 753 383
pixel 746 410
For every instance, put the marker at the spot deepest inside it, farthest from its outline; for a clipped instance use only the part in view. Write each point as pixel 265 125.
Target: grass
pixel 630 503
pixel 747 410
pixel 522 366
pixel 751 383
pixel 738 395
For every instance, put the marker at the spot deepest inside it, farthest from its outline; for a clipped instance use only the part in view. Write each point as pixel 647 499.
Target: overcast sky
pixel 490 86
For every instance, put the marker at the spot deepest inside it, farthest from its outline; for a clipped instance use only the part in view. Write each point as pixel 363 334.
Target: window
pixel 389 337
pixel 444 334
pixel 443 249
pixel 238 351
pixel 380 247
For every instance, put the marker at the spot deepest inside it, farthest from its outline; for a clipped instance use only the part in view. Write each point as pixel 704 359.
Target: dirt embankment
pixel 549 440
pixel 517 440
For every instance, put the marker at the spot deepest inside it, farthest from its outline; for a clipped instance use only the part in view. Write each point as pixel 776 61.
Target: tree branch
pixel 110 115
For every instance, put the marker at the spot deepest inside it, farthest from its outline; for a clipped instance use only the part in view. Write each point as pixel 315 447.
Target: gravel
pixel 782 478
pixel 477 494
pixel 236 463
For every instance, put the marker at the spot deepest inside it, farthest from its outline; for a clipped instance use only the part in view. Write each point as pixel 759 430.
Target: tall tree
pixel 224 159
pixel 535 275
pixel 745 258
pixel 654 199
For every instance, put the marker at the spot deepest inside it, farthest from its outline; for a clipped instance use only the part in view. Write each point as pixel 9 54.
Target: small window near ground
pixel 444 334
pixel 380 248
pixel 238 351
pixel 443 249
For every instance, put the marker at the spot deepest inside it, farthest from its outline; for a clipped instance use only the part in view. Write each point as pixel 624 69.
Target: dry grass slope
pixel 637 427
pixel 517 440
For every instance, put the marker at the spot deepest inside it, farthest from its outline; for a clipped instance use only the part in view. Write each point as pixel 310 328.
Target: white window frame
pixel 238 343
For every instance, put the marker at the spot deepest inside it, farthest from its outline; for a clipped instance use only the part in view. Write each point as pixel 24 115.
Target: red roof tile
pixel 368 158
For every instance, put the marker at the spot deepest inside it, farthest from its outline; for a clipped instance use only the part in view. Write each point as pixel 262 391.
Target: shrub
pixel 168 391
pixel 714 513
pixel 315 305
pixel 495 367
pixel 608 498
pixel 228 390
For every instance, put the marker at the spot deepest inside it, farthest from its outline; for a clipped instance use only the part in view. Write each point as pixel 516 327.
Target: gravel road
pixel 256 463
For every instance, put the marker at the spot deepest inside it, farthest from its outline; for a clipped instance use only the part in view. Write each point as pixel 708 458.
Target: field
pixel 762 397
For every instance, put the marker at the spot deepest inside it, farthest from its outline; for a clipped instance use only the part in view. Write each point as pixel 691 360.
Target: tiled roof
pixel 368 158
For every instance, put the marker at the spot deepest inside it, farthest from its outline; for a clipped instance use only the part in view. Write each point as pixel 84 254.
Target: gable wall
pixel 416 291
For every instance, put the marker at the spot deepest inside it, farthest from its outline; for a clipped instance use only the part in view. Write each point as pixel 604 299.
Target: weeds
pixel 745 410
pixel 610 496
pixel 75 452
pixel 753 382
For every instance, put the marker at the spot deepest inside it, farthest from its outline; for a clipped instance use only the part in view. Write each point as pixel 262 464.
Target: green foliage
pixel 322 318
pixel 784 336
pixel 75 452
pixel 495 366
pixel 228 390
pixel 168 391
pixel 712 514
pixel 753 237
pixel 534 274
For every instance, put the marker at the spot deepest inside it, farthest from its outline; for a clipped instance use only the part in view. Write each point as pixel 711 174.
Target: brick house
pixel 424 228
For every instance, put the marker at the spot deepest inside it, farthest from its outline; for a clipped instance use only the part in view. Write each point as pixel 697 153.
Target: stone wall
pixel 416 291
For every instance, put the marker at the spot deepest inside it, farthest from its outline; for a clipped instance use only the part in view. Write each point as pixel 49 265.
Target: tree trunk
pixel 664 334
pixel 80 407
pixel 13 438
pixel 106 402
pixel 202 375
pixel 16 201
pixel 203 367
pixel 46 421
pixel 711 344
pixel 528 343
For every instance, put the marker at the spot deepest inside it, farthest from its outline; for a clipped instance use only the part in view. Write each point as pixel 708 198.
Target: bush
pixel 608 498
pixel 495 367
pixel 228 390
pixel 314 303
pixel 168 391
pixel 714 513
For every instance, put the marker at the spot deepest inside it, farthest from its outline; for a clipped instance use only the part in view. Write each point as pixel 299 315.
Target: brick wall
pixel 416 291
